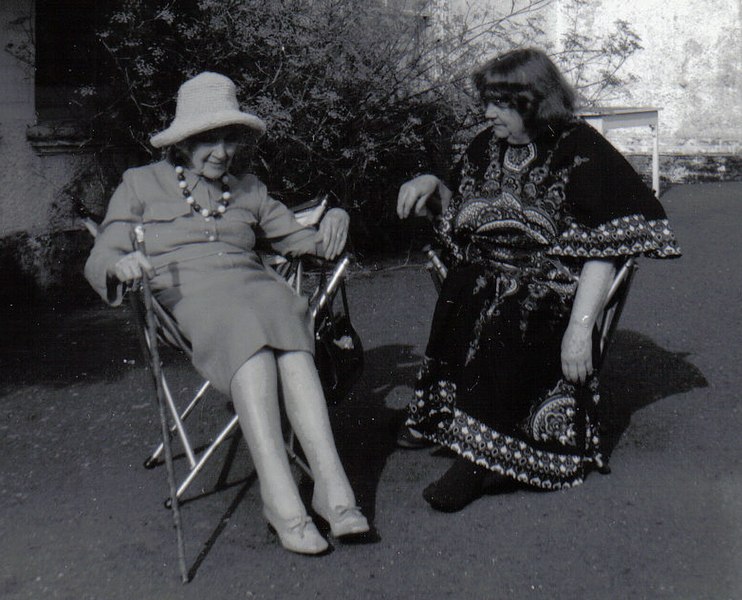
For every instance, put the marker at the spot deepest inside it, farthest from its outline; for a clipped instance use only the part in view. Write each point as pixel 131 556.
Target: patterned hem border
pixel 509 456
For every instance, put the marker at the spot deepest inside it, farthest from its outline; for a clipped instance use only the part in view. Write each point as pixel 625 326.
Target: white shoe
pixel 343 520
pixel 297 534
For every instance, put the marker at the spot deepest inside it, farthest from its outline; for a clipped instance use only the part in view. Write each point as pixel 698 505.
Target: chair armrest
pixel 310 213
pixel 333 282
pixel 624 272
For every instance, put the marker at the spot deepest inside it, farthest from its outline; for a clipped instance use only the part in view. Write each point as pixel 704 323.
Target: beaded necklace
pixel 204 212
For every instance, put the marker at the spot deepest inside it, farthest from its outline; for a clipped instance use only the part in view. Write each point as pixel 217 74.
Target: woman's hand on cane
pixel 130 267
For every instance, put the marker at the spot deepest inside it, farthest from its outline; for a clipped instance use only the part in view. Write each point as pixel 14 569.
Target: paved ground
pixel 81 519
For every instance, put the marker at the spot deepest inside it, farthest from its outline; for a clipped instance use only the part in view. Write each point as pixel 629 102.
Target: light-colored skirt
pixel 230 306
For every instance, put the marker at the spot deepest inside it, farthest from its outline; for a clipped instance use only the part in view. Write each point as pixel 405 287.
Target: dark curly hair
pixel 528 81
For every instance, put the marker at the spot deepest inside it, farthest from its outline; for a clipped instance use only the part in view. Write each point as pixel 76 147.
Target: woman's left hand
pixel 577 353
pixel 333 233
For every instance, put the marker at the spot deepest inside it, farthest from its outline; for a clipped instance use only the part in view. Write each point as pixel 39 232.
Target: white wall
pixel 689 67
pixel 28 183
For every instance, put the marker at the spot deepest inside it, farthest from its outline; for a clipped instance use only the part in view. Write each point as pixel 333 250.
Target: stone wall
pixel 41 245
pixel 689 67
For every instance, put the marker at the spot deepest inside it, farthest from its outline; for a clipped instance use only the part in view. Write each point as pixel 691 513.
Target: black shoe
pixel 463 483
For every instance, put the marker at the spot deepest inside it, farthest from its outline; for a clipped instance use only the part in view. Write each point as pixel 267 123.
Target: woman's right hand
pixel 414 194
pixel 130 267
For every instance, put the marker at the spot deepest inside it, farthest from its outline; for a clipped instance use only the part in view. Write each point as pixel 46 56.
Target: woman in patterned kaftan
pixel 540 211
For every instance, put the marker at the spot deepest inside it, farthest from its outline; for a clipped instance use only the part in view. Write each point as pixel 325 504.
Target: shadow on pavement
pixel 223 522
pixel 364 426
pixel 61 348
pixel 637 373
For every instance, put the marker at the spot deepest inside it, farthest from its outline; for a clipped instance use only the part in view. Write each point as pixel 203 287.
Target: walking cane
pixel 155 354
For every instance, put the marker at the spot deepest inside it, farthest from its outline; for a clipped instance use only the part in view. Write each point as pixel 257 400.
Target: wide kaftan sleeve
pixel 277 224
pixel 611 213
pixel 114 241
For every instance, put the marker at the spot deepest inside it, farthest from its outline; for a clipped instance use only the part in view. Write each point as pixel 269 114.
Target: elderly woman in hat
pixel 251 335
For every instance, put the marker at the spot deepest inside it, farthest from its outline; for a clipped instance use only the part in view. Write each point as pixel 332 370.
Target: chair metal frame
pixel 613 306
pixel 169 334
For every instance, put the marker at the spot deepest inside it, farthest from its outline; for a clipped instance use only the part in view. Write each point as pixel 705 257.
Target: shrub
pixel 357 96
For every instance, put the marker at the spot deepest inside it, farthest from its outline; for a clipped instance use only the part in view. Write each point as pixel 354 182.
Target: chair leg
pixel 204 457
pixel 153 460
pixel 294 457
pixel 601 464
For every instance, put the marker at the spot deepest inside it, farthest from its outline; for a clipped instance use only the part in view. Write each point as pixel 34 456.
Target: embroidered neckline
pixel 518 158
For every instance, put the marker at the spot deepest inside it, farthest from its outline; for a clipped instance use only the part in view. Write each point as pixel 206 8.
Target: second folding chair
pixel 605 326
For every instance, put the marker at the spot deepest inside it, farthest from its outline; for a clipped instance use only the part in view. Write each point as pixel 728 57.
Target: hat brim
pixel 180 129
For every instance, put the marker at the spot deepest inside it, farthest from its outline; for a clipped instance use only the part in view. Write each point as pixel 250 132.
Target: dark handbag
pixel 338 350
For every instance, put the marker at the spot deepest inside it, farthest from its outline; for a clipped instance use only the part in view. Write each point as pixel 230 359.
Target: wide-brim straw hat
pixel 207 101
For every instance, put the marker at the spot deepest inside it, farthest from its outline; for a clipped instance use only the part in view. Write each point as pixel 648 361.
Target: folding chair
pixel 168 333
pixel 157 327
pixel 605 325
